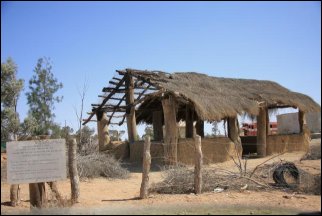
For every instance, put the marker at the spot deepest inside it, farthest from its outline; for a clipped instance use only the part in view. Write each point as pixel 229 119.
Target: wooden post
pixel 233 133
pixel 37 194
pixel 171 136
pixel 200 128
pixel 37 191
pixel 73 173
pixel 144 191
pixel 268 127
pixel 15 191
pixel 261 132
pixel 14 195
pixel 130 118
pixel 189 122
pixel 102 130
pixel 302 120
pixel 198 165
pixel 157 125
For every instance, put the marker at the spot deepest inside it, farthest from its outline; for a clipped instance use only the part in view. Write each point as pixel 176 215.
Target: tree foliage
pixel 41 97
pixel 10 92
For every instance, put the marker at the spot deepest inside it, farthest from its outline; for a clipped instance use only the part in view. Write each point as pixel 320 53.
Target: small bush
pixel 100 165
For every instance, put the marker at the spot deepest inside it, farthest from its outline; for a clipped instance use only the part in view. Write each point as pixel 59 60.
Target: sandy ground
pixel 103 196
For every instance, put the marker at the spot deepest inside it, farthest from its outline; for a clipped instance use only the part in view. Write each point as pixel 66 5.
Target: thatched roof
pixel 215 98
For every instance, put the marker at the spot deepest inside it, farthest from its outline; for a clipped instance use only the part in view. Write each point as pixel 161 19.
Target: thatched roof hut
pixel 215 98
pixel 163 99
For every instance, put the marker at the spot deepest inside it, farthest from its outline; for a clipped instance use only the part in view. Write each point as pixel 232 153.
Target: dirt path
pixel 102 196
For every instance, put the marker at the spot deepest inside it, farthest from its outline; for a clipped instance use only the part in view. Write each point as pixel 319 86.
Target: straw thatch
pixel 215 98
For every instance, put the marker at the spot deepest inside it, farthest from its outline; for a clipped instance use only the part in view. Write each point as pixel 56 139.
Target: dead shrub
pixel 100 165
pixel 180 180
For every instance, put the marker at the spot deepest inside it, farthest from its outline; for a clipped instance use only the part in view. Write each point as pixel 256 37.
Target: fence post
pixel 144 191
pixel 73 172
pixel 198 165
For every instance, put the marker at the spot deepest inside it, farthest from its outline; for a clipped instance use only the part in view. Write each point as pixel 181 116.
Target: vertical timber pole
pixel 261 132
pixel 198 165
pixel 102 130
pixel 130 118
pixel 233 133
pixel 144 191
pixel 189 122
pixel 73 172
pixel 157 125
pixel 37 192
pixel 200 127
pixel 171 136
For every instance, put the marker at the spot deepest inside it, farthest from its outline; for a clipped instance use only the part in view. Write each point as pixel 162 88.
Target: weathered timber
pixel 73 172
pixel 189 122
pixel 302 120
pixel 105 100
pixel 200 128
pixel 144 190
pixel 157 125
pixel 102 131
pixel 233 134
pixel 261 132
pixel 37 195
pixel 171 136
pixel 198 165
pixel 131 121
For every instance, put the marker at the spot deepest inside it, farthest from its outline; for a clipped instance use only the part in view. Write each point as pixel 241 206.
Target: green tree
pixel 28 126
pixel 66 131
pixel 41 97
pixel 10 92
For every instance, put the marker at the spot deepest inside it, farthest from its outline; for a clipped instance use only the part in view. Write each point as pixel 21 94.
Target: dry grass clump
pixel 100 165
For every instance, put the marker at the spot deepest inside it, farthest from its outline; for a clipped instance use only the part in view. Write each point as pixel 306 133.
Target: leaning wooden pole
pixel 198 165
pixel 73 173
pixel 144 191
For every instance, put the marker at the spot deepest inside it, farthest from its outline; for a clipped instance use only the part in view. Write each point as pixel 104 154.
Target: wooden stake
pixel 144 191
pixel 131 120
pixel 73 173
pixel 198 165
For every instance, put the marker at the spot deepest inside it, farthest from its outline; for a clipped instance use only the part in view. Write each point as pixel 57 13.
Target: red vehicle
pixel 250 129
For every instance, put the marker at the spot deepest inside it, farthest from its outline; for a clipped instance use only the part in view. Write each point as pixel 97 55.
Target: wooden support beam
pixel 131 120
pixel 189 122
pixel 233 134
pixel 200 128
pixel 119 90
pixel 171 136
pixel 102 131
pixel 198 165
pixel 157 125
pixel 302 120
pixel 144 190
pixel 261 132
pixel 115 78
pixel 105 100
pixel 113 83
